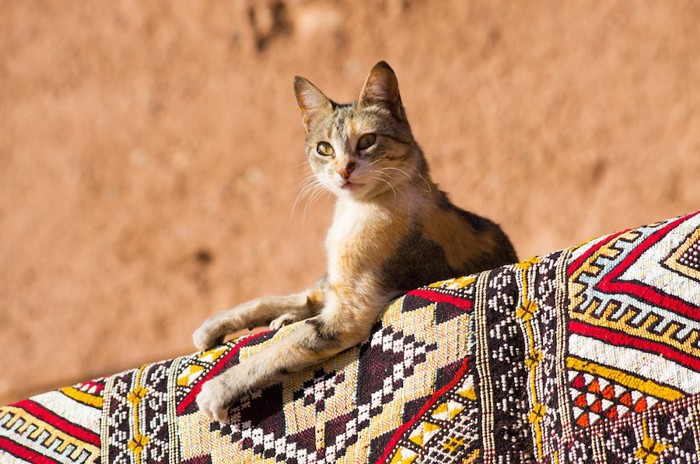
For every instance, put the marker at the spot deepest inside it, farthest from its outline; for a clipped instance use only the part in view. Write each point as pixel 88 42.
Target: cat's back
pixel 445 241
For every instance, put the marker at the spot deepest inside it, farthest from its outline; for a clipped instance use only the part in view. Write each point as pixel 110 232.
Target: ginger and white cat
pixel 393 230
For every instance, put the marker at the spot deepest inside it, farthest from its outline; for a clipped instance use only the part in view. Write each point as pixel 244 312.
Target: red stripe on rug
pixel 25 453
pixel 61 423
pixel 433 399
pixel 581 259
pixel 442 298
pixel 622 339
pixel 217 367
pixel 647 292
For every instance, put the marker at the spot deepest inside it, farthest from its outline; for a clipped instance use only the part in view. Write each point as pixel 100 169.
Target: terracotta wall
pixel 150 152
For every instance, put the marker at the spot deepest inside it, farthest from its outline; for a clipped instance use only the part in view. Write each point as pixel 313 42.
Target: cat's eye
pixel 366 141
pixel 324 149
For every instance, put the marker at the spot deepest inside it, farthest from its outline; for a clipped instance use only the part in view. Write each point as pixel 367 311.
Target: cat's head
pixel 363 149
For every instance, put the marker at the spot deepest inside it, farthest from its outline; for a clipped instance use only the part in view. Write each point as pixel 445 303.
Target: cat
pixel 393 230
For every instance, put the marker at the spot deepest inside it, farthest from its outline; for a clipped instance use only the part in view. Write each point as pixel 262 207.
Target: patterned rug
pixel 590 354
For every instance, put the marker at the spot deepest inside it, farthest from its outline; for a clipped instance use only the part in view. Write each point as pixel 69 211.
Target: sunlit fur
pixel 393 229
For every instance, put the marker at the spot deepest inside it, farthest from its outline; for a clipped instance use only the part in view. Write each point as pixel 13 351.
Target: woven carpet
pixel 590 354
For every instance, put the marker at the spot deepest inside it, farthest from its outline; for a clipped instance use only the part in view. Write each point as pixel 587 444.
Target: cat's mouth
pixel 354 189
pixel 351 186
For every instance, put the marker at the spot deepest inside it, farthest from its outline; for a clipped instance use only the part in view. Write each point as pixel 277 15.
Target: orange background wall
pixel 150 152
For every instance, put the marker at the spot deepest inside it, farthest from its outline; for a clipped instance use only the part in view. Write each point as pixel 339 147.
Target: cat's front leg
pixel 276 311
pixel 318 339
pixel 306 346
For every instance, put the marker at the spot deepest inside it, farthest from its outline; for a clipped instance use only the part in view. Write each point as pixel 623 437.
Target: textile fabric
pixel 589 354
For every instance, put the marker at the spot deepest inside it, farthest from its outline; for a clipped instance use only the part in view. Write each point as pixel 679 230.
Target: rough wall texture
pixel 150 153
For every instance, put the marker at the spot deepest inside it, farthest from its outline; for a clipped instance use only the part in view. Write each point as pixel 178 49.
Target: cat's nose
pixel 347 170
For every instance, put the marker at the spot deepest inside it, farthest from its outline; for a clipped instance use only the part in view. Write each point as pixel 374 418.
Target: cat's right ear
pixel 312 102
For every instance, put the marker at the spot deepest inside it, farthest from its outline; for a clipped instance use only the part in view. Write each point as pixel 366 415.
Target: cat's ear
pixel 382 88
pixel 312 102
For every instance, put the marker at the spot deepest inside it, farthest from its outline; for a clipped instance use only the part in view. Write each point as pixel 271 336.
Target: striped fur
pixel 393 230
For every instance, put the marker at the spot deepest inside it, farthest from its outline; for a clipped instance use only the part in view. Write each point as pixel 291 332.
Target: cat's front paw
pixel 213 400
pixel 207 336
pixel 284 319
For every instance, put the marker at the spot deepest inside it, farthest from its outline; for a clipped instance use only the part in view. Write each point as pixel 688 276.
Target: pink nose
pixel 347 170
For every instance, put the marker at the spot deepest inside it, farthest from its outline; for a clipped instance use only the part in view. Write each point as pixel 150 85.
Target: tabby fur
pixel 393 230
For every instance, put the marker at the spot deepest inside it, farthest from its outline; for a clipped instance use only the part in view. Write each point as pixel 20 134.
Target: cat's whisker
pixel 399 170
pixel 305 180
pixel 383 172
pixel 315 195
pixel 306 196
pixel 310 183
pixel 304 188
pixel 313 192
pixel 386 182
pixel 429 188
pixel 427 184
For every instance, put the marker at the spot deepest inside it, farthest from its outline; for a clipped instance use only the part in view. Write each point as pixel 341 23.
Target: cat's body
pixel 393 230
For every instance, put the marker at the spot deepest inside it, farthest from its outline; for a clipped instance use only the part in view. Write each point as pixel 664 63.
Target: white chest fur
pixel 350 222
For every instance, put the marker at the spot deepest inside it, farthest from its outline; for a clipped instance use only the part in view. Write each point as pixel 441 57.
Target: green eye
pixel 366 141
pixel 324 149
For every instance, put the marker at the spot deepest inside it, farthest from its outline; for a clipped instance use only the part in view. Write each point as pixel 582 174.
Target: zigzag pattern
pixel 596 260
pixel 616 315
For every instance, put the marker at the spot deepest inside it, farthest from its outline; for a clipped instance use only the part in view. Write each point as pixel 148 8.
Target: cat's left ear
pixel 382 88
pixel 312 102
